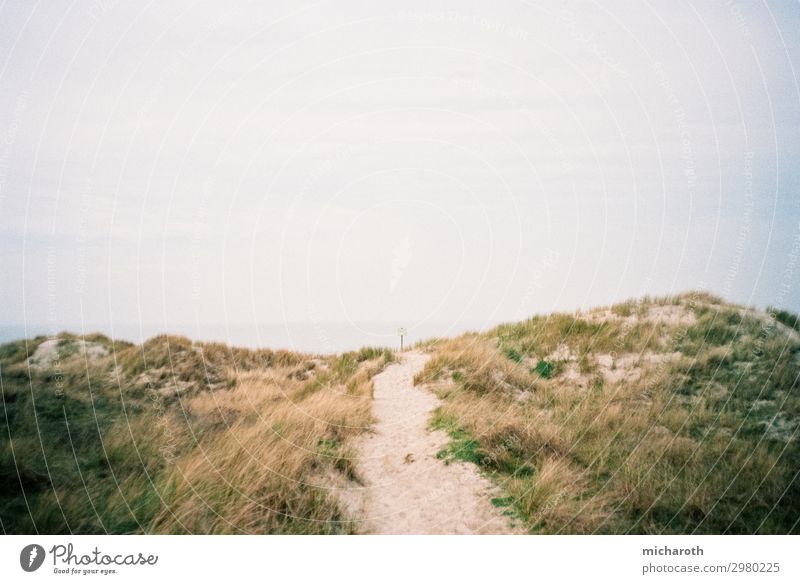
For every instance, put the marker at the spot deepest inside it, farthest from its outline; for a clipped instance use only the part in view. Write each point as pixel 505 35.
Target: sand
pixel 47 353
pixel 407 490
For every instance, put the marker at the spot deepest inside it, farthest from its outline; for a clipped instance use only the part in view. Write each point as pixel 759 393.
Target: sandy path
pixel 407 489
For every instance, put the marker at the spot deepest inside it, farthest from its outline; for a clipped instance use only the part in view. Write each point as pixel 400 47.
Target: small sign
pixel 401 331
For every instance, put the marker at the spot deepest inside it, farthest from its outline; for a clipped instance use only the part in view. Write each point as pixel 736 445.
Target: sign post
pixel 402 332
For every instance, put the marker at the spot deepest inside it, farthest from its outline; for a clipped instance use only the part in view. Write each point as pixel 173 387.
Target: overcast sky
pixel 393 161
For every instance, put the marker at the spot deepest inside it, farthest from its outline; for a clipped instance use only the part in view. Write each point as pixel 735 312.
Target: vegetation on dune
pixel 667 415
pixel 671 415
pixel 785 317
pixel 177 437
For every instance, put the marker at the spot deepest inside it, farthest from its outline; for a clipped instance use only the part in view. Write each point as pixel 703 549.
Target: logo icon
pixel 31 557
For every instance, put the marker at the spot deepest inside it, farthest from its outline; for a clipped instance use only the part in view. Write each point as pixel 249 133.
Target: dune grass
pixel 671 415
pixel 178 437
pixel 665 415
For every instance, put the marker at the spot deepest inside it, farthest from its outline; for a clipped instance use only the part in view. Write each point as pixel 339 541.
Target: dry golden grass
pixel 683 444
pixel 673 415
pixel 260 472
pixel 247 444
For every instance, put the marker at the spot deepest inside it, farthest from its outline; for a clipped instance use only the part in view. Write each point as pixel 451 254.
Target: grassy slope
pixel 177 437
pixel 675 415
pixel 662 416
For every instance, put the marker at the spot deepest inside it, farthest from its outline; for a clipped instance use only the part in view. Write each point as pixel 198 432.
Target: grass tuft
pixel 545 369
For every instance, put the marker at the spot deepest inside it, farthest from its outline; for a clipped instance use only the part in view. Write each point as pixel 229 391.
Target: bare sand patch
pixel 52 350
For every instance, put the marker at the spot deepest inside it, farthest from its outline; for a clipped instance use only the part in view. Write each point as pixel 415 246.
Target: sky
pixel 381 162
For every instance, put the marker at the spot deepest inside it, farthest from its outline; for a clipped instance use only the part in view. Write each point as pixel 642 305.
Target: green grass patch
pixel 462 446
pixel 545 369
